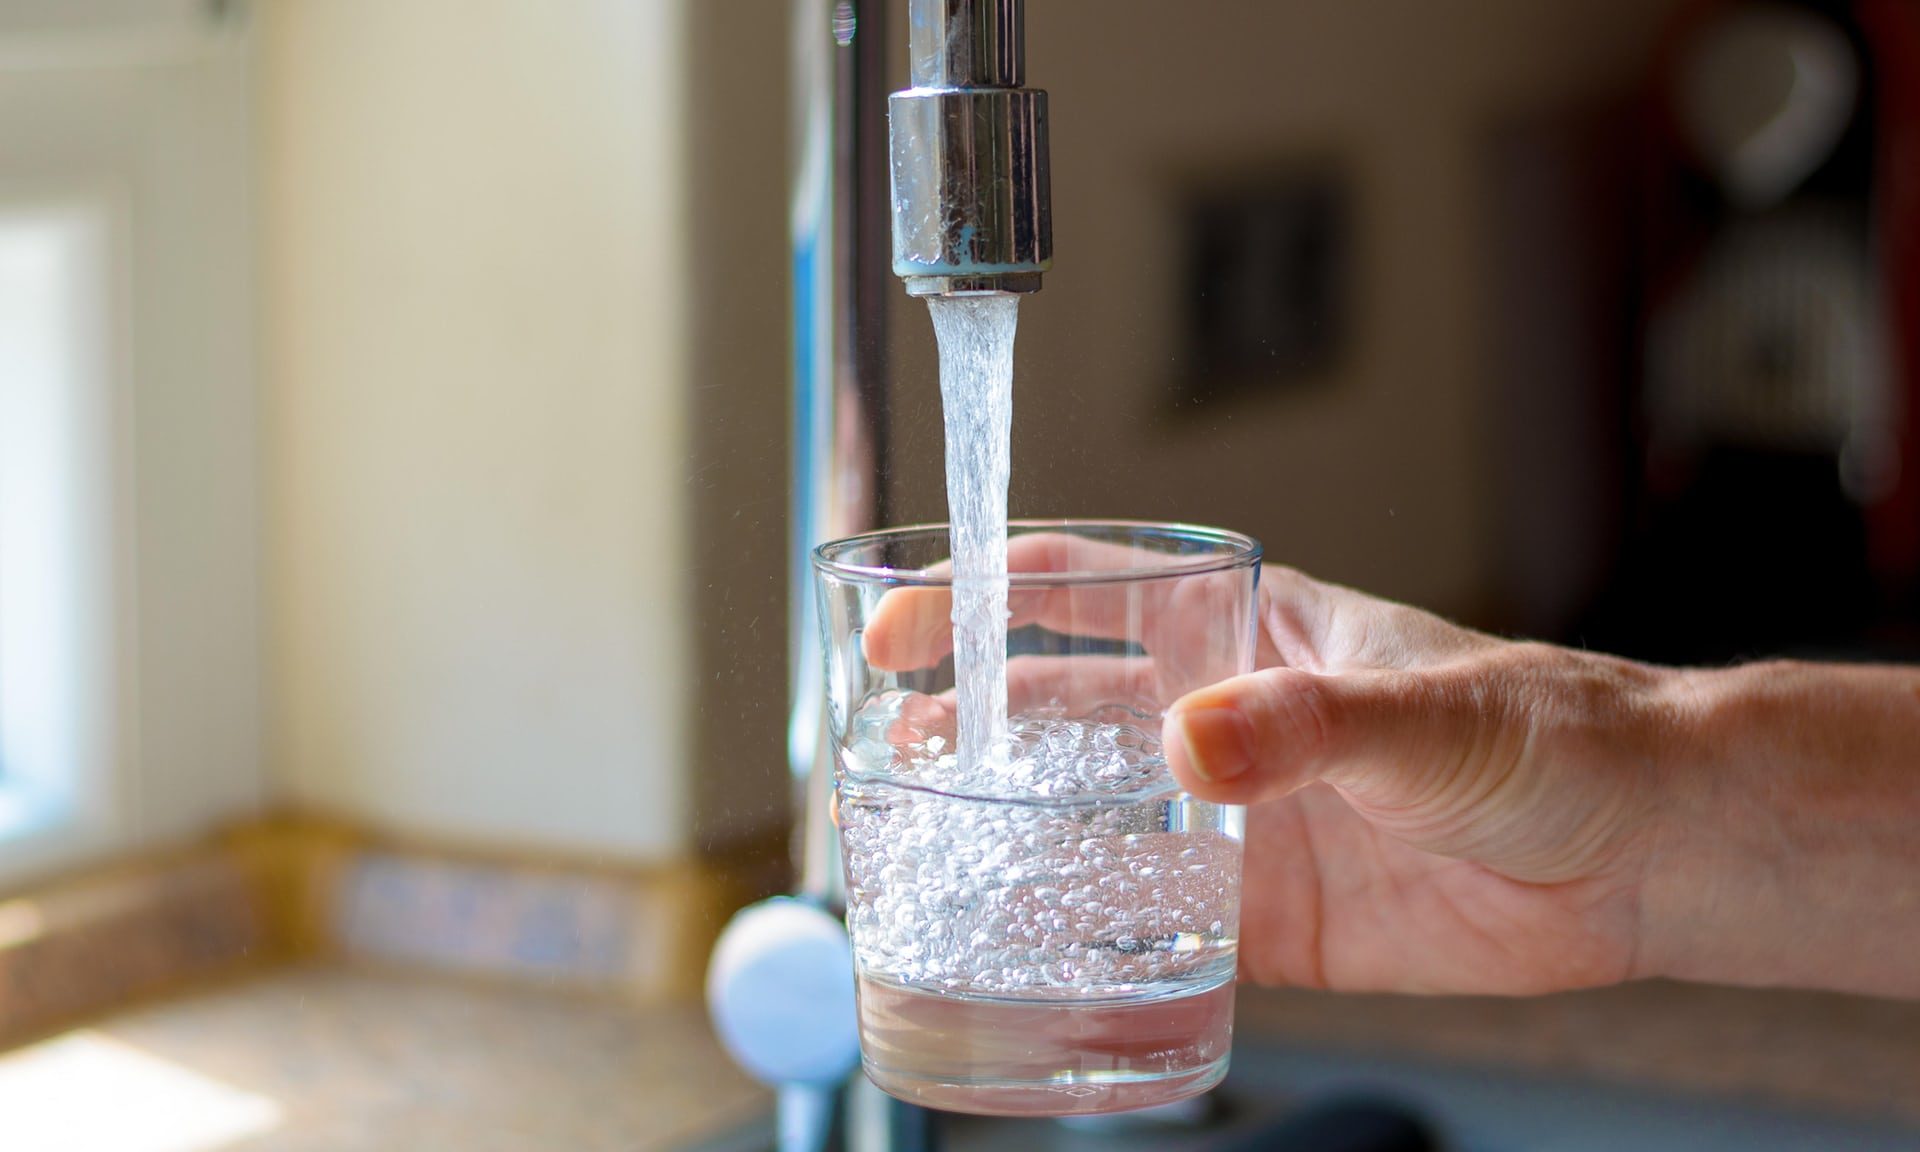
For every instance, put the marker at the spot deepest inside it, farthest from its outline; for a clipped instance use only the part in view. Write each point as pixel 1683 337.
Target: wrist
pixel 1784 849
pixel 1694 904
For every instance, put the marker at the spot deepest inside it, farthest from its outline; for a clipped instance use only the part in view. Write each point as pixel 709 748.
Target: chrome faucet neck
pixel 967 43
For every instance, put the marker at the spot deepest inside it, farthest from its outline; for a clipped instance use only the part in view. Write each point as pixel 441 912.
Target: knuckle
pixel 1302 715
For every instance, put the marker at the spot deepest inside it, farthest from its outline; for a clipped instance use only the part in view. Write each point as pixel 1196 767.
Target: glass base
pixel 1072 1057
pixel 1049 1098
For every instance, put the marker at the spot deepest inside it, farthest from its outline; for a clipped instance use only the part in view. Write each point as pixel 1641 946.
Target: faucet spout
pixel 972 198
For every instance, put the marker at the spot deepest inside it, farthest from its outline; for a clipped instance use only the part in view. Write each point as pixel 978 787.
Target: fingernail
pixel 1219 742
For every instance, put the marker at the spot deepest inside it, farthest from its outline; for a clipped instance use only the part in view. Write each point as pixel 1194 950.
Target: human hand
pixel 1437 810
pixel 1432 809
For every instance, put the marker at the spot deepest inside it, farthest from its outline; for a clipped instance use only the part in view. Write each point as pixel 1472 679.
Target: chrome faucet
pixel 964 190
pixel 972 204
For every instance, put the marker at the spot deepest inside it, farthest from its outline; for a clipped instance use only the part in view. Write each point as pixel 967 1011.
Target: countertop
pixel 333 1060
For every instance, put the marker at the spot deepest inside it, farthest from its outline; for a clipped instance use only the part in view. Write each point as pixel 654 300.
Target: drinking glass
pixel 1043 923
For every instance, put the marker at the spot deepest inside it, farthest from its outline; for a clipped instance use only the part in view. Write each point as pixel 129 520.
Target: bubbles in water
pixel 1068 860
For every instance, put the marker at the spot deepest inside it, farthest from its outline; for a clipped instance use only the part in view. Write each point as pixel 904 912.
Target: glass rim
pixel 1238 550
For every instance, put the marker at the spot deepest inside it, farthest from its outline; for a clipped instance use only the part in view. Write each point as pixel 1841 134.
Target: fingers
pixel 1065 552
pixel 1304 623
pixel 911 627
pixel 1269 733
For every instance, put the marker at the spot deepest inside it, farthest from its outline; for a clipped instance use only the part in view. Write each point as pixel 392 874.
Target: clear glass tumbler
pixel 1043 924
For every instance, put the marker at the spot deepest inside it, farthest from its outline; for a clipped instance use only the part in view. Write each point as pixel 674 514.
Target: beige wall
pixel 1376 477
pixel 476 429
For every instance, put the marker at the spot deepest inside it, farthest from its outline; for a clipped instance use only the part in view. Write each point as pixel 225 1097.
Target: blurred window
pixel 128 528
pixel 56 345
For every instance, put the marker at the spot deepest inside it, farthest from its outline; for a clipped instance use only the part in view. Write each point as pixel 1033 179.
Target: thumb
pixel 1377 733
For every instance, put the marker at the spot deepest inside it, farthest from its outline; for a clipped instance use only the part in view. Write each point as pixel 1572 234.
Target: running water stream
pixel 976 390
